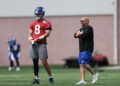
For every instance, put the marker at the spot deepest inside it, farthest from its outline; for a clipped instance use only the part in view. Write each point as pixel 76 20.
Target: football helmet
pixel 13 40
pixel 39 13
pixel 9 41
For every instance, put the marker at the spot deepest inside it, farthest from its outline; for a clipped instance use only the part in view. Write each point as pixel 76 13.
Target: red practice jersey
pixel 39 29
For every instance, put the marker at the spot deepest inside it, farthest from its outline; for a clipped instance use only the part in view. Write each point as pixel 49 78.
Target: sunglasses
pixel 81 20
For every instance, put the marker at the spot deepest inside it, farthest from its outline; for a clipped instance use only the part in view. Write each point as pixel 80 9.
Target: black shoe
pixel 35 82
pixel 51 80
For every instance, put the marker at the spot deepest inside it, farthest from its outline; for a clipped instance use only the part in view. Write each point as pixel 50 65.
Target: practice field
pixel 62 77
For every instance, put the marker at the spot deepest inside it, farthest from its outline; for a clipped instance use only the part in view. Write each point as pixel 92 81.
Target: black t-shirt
pixel 86 40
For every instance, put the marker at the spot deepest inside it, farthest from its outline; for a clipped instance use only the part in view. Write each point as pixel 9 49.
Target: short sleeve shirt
pixel 39 29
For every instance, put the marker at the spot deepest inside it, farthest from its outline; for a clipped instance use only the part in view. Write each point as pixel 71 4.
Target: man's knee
pixel 81 65
pixel 44 62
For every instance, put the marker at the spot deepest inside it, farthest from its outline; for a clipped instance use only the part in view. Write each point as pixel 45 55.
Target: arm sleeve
pixel 31 26
pixel 49 28
pixel 10 46
pixel 87 32
pixel 19 47
pixel 75 36
pixel 48 25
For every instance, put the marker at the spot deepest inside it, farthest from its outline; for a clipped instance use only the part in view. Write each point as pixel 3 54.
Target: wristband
pixel 41 37
pixel 32 41
pixel 30 38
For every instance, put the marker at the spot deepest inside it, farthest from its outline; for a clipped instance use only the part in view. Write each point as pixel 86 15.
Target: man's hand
pixel 35 40
pixel 39 38
pixel 78 33
pixel 31 41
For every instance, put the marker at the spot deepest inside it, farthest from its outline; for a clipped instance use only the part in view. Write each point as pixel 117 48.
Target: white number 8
pixel 37 29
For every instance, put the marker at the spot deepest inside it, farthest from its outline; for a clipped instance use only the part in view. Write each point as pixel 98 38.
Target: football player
pixel 39 31
pixel 13 54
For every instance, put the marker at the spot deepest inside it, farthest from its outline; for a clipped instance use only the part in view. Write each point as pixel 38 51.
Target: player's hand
pixel 31 41
pixel 35 40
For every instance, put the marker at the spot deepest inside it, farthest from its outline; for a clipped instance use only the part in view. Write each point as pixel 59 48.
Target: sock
pixel 83 80
pixel 36 79
pixel 50 77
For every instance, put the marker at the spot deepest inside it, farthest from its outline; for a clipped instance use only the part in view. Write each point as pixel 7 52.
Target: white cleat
pixel 95 77
pixel 18 69
pixel 81 82
pixel 10 68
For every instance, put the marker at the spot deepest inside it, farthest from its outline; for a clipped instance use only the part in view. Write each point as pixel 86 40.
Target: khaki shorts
pixel 38 51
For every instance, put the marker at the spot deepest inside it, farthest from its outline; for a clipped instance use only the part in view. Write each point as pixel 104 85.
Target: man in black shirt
pixel 86 46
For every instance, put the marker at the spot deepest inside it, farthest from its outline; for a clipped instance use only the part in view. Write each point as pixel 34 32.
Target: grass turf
pixel 62 77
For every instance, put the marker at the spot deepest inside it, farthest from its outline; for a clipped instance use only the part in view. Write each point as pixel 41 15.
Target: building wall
pixel 18 8
pixel 61 43
pixel 119 30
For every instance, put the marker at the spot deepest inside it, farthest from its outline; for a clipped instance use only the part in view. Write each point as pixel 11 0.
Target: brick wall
pixel 61 43
pixel 119 30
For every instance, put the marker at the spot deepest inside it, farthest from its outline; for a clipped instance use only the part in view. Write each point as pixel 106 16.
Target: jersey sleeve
pixel 18 44
pixel 86 33
pixel 10 47
pixel 47 25
pixel 31 26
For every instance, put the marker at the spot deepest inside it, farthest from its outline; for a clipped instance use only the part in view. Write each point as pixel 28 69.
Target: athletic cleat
pixel 95 77
pixel 35 82
pixel 81 82
pixel 10 68
pixel 18 69
pixel 51 80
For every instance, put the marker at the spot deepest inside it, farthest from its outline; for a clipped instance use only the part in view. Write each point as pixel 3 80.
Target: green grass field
pixel 62 77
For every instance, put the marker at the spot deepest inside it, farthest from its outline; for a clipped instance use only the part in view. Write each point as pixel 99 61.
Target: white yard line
pixel 111 68
pixel 62 83
pixel 13 83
